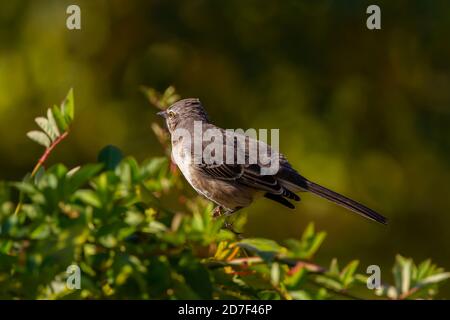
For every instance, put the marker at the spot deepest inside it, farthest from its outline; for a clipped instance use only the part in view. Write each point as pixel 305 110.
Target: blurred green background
pixel 366 113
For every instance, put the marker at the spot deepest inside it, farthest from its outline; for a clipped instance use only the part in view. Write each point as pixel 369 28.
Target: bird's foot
pixel 229 226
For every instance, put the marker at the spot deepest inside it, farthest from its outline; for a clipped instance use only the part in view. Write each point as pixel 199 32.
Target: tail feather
pixel 345 202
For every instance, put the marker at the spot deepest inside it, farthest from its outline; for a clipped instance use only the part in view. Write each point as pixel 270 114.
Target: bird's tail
pixel 345 202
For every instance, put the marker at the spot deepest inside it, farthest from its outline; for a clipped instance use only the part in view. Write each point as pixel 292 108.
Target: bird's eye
pixel 171 114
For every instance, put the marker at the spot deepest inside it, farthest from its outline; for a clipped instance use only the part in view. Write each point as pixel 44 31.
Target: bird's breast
pixel 182 158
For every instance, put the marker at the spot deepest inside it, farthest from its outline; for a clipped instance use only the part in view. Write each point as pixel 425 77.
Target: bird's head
pixel 183 112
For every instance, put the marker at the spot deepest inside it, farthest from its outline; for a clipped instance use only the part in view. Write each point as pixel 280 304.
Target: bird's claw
pixel 229 226
pixel 217 213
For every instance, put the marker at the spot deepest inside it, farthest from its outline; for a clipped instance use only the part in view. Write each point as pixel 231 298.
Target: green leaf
pixel 402 270
pixel 348 272
pixel 423 269
pixel 5 246
pixel 300 295
pixel 39 174
pixel 261 244
pixel 89 197
pixel 266 249
pixel 434 279
pixel 110 156
pixel 309 244
pixel 275 274
pixel 82 175
pixel 67 107
pixel 154 227
pixel 59 118
pixel 295 281
pixel 39 137
pixel 334 267
pixel 41 232
pixel 329 282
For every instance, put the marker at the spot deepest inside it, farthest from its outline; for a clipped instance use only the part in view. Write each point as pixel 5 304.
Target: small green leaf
pixel 39 137
pixel 72 171
pixel 423 268
pixel 41 232
pixel 402 273
pixel 89 197
pixel 38 175
pixel 261 244
pixel 67 107
pixel 434 278
pixel 154 227
pixel 61 122
pixel 82 175
pixel 348 272
pixel 275 274
pixel 309 231
pixel 329 282
pixel 266 249
pixel 334 267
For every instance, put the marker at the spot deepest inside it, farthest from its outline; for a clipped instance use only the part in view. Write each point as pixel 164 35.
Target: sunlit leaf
pixel 89 197
pixel 39 137
pixel 348 272
pixel 436 278
pixel 67 107
pixel 45 125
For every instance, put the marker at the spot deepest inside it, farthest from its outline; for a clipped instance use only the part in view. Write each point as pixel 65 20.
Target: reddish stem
pixel 47 152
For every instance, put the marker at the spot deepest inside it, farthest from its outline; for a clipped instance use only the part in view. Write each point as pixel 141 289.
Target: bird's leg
pixel 217 212
pixel 229 225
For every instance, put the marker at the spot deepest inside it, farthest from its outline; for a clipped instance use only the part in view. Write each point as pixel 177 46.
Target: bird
pixel 233 185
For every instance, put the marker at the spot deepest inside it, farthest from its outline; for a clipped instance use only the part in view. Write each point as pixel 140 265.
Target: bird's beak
pixel 162 114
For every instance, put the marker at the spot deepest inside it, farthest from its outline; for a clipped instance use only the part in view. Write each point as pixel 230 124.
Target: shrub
pixel 109 219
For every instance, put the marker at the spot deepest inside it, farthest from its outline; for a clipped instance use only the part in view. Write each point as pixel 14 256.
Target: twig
pixel 311 267
pixel 41 162
pixel 47 152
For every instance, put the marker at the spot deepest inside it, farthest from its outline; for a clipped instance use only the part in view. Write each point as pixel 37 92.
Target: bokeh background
pixel 366 113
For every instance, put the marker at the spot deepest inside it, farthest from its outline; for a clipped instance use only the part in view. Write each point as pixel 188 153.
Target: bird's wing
pixel 246 174
pixel 243 174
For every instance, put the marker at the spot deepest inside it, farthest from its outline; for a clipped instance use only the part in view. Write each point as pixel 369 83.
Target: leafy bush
pixel 118 221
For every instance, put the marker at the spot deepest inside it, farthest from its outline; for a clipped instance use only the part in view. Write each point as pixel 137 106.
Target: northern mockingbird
pixel 231 184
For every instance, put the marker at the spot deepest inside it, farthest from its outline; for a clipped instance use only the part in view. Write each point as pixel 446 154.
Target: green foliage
pixel 135 235
pixel 115 227
pixel 413 281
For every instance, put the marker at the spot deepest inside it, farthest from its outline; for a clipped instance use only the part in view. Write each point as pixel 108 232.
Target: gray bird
pixel 233 186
